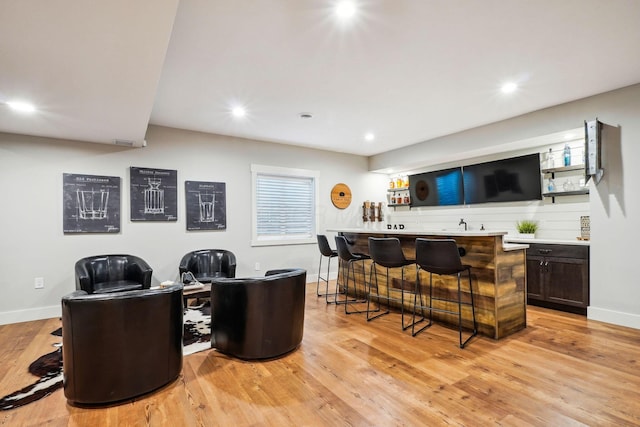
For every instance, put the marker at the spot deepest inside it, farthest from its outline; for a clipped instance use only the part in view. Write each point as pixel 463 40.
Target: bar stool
pixel 387 252
pixel 325 251
pixel 349 259
pixel 441 256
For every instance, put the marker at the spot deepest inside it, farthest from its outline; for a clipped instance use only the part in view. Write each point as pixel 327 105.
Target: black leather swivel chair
pixel 258 317
pixel 206 264
pixel 112 273
pixel 121 345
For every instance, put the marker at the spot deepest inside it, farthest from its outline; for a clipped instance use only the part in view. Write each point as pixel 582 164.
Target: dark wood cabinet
pixel 558 277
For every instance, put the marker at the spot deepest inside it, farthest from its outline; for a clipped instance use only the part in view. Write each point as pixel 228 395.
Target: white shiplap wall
pixel 560 220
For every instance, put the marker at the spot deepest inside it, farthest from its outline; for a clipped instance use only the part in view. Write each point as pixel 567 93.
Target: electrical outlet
pixel 38 282
pixel 257 266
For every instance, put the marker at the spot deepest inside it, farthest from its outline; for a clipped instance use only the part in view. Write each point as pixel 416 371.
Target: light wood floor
pixel 562 370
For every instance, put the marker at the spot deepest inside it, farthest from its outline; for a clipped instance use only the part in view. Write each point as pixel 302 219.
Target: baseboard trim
pixel 28 315
pixel 615 317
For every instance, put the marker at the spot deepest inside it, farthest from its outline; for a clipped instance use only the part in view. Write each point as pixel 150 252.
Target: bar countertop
pixel 507 245
pixel 442 232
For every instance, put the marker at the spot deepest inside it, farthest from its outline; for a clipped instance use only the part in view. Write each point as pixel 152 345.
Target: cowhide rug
pixel 196 337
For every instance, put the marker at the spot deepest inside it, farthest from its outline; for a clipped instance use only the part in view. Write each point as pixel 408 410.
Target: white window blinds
pixel 284 206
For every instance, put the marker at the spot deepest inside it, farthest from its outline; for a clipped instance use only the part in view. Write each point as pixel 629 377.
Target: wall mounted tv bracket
pixel 594 133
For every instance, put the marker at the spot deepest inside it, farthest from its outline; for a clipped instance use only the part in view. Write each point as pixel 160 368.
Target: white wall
pixel 33 244
pixel 614 203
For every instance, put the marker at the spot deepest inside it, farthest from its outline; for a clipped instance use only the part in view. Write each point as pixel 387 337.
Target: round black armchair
pixel 112 273
pixel 118 346
pixel 258 317
pixel 206 264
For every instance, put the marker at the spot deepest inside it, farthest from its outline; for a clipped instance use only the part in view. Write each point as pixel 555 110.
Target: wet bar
pixel 497 270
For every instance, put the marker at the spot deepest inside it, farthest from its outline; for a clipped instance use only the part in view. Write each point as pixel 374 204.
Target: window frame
pixel 275 171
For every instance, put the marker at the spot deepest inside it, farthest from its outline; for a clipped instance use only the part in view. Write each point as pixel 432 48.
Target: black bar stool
pixel 441 256
pixel 325 251
pixel 349 259
pixel 387 252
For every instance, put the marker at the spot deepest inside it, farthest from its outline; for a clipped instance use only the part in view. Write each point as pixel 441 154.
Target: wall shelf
pixel 563 169
pixel 404 191
pixel 571 170
pixel 567 193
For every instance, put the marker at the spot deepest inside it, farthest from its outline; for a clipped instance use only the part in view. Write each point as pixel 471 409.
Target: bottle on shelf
pixel 551 186
pixel 568 185
pixel 550 160
pixel 567 155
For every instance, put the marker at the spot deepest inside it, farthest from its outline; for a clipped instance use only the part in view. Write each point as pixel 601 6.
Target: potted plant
pixel 527 228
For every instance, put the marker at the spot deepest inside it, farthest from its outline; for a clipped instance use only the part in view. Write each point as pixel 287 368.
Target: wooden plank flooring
pixel 561 370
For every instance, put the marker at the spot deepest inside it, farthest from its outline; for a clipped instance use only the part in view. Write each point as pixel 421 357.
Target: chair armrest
pixel 140 271
pixel 83 277
pixel 231 264
pixel 184 264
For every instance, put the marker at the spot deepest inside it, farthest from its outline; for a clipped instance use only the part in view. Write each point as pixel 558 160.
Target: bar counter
pixel 497 272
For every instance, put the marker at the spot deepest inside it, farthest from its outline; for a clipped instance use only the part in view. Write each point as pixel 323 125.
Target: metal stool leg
pixel 321 278
pixel 404 326
pixel 341 269
pixel 355 289
pixel 336 291
pixel 374 272
pixel 473 312
pixel 418 292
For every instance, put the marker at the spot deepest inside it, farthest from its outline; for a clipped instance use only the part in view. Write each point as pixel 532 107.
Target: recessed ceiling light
pixel 305 115
pixel 238 112
pixel 369 136
pixel 509 87
pixel 23 107
pixel 345 9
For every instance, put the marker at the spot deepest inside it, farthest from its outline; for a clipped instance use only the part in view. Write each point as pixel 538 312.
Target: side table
pixel 197 293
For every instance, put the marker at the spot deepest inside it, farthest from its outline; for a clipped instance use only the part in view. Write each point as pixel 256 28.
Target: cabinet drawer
pixel 565 251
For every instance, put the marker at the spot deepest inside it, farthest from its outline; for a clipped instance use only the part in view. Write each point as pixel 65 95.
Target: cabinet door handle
pixel 546 266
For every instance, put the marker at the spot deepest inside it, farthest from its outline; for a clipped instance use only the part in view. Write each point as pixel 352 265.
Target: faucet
pixel 462 222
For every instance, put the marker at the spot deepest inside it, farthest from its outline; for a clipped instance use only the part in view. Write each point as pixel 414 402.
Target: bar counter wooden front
pixel 497 273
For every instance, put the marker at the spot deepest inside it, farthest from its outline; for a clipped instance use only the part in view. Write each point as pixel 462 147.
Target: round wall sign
pixel 341 196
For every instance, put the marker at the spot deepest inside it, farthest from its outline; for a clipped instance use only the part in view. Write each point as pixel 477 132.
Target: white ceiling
pixel 406 70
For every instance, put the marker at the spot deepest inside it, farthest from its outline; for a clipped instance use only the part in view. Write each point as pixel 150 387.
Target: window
pixel 284 205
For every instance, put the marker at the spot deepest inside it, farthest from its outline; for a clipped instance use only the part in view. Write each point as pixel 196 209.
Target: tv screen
pixel 438 188
pixel 507 180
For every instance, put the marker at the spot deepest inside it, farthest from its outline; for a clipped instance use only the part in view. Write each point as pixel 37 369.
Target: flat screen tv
pixel 438 188
pixel 507 180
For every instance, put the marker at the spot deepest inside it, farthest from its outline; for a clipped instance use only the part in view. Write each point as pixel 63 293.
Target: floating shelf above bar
pixel 563 169
pixel 567 193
